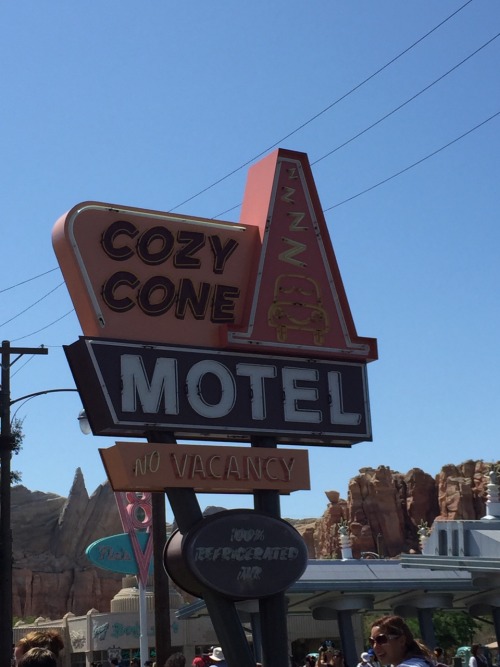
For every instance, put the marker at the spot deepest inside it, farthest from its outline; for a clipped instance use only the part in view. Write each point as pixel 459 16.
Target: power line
pixel 390 113
pixel 32 305
pixel 320 113
pixel 22 366
pixel 14 340
pixel 410 99
pixel 402 171
pixel 28 280
pixel 427 157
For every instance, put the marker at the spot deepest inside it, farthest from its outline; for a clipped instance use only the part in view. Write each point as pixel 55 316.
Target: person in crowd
pixel 135 662
pixel 394 644
pixel 176 660
pixel 365 660
pixel 310 660
pixel 326 653
pixel 217 657
pixel 439 658
pixel 38 657
pixel 48 639
pixel 330 657
pixel 477 657
pixel 202 659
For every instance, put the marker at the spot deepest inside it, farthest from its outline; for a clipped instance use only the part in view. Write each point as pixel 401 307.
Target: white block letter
pixel 194 390
pixel 257 389
pixel 136 385
pixel 337 414
pixel 294 393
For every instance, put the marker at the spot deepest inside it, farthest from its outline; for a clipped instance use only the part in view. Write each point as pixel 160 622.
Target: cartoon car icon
pixel 297 305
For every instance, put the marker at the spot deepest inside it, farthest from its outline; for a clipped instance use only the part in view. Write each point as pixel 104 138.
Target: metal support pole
pixel 346 631
pixel 223 612
pixel 426 626
pixel 163 635
pixel 273 609
pixel 163 641
pixel 257 636
pixel 229 630
pixel 143 618
pixel 495 613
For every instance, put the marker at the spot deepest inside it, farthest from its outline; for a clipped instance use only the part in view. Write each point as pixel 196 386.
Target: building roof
pixel 385 582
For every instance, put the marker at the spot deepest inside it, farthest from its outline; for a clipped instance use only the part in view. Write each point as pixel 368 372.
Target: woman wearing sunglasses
pixel 394 644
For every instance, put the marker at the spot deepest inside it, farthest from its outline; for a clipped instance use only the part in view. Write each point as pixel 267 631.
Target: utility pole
pixel 6 443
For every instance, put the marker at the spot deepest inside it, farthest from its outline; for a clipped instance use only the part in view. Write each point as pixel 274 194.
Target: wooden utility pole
pixel 6 446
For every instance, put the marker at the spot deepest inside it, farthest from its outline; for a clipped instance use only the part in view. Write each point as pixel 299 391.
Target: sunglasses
pixel 381 639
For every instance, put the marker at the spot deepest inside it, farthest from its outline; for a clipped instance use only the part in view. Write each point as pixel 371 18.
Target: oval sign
pixel 241 554
pixel 116 553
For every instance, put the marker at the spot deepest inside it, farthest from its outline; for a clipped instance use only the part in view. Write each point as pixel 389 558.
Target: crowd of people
pixel 391 642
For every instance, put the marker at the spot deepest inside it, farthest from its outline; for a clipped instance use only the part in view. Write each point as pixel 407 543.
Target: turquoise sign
pixel 116 553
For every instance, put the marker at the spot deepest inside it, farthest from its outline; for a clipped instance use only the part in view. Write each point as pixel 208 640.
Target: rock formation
pixel 52 575
pixel 384 508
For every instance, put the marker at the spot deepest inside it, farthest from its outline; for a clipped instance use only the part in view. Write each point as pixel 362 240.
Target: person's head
pixel 176 660
pixel 338 658
pixel 392 641
pixel 48 639
pixel 38 657
pixel 216 655
pixel 135 662
pixel 475 649
pixel 438 652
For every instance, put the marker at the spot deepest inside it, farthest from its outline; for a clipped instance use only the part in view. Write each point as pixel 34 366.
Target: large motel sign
pixel 217 331
pixel 219 395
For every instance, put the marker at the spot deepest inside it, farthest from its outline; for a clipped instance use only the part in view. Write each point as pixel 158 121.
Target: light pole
pixel 6 445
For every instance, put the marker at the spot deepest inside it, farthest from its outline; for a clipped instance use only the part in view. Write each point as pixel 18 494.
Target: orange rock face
pixel 384 508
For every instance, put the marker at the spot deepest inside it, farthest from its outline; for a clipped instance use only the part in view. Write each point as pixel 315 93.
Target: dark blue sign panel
pixel 129 388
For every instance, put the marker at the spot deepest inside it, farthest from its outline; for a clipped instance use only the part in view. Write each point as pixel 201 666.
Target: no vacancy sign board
pixel 217 330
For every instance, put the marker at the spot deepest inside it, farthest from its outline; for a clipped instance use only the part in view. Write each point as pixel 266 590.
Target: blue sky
pixel 149 104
